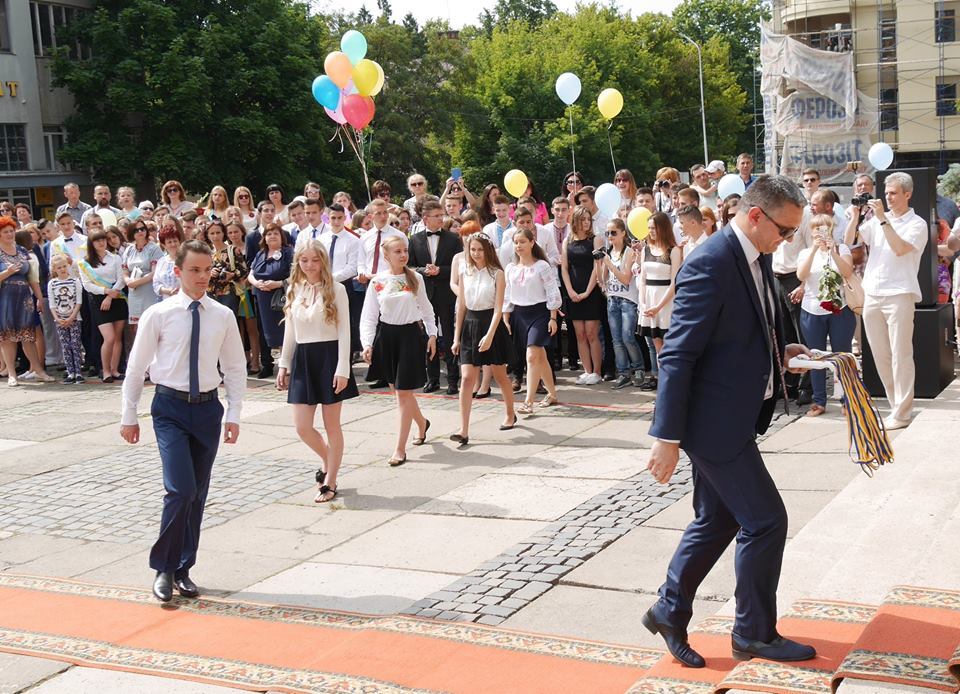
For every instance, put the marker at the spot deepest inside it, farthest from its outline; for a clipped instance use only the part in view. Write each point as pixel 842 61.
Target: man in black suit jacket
pixel 431 254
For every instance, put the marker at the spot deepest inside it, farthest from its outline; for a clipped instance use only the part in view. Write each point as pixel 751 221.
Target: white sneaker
pixel 27 376
pixel 582 379
pixel 593 379
pixel 892 424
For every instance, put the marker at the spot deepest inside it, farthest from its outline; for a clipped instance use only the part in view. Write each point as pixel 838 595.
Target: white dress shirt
pixel 529 285
pixel 811 285
pixel 110 270
pixel 478 288
pixel 888 274
pixel 163 346
pixel 306 322
pixel 497 233
pixel 389 300
pixel 307 234
pixel 693 244
pixel 753 262
pixel 368 242
pixel 545 239
pixel 346 256
pixel 787 253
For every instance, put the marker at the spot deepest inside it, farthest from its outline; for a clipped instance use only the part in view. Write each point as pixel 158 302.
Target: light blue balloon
pixel 134 214
pixel 568 88
pixel 326 92
pixel 608 199
pixel 354 44
pixel 731 184
pixel 880 156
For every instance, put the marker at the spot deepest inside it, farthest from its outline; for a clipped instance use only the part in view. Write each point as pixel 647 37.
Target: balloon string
pixel 573 151
pixel 610 142
pixel 363 160
pixel 336 136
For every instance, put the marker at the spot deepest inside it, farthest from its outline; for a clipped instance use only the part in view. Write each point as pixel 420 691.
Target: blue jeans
pixel 622 316
pixel 840 327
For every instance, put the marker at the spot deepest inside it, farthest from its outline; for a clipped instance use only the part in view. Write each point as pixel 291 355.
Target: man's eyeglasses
pixel 786 233
pixel 810 180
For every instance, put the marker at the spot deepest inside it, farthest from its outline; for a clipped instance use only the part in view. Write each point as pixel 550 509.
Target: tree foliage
pixel 197 91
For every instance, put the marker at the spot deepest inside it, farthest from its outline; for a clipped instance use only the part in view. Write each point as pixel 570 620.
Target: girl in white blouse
pixel 101 273
pixel 480 338
pixel 530 305
pixel 315 360
pixel 394 348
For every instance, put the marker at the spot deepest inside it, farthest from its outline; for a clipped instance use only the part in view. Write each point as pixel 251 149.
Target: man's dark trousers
pixel 188 436
pixel 733 498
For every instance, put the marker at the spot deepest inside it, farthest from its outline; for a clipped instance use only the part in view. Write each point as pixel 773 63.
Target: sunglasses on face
pixel 619 180
pixel 786 233
pixel 810 180
pixel 417 184
pixel 243 196
pixel 383 195
pixel 574 182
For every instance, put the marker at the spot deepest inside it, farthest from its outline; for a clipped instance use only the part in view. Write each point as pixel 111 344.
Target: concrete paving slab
pixel 808 435
pixel 603 462
pixel 20 672
pixel 811 471
pixel 611 616
pixel 21 549
pixel 515 496
pixel 630 433
pixel 480 457
pixel 639 560
pixel 81 558
pixel 80 680
pixel 365 589
pixel 446 544
pixel 10 444
pixel 266 542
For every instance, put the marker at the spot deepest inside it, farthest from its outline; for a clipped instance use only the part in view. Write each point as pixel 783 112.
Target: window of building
pixel 947 97
pixel 47 19
pixel 13 147
pixel 945 25
pixel 54 136
pixel 4 28
pixel 16 195
pixel 888 36
pixel 889 109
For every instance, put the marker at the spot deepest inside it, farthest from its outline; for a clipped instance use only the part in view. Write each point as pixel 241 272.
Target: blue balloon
pixel 568 87
pixel 326 92
pixel 354 44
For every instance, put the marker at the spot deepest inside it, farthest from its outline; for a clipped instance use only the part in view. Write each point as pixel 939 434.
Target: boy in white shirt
pixel 499 230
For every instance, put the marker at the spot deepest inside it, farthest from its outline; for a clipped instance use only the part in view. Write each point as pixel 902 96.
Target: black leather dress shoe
pixel 780 649
pixel 186 587
pixel 453 389
pixel 163 586
pixel 431 387
pixel 676 640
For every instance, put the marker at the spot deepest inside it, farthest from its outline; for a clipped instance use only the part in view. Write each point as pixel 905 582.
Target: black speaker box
pixel 924 203
pixel 932 354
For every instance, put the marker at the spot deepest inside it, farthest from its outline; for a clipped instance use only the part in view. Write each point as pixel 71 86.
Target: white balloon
pixel 731 184
pixel 607 198
pixel 568 87
pixel 880 156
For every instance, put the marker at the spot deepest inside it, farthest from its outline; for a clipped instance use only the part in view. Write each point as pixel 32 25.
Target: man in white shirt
pixel 691 220
pixel 315 226
pixel 298 219
pixel 704 186
pixel 182 340
pixel 811 182
pixel 789 290
pixel 545 239
pixel 73 206
pixel 891 290
pixel 585 198
pixel 822 202
pixel 101 200
pixel 343 248
pixel 500 228
pixel 684 196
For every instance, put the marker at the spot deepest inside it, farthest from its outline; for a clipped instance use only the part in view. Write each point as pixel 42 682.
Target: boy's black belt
pixel 186 397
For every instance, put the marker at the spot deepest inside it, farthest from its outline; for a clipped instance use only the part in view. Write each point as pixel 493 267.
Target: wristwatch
pixel 885 222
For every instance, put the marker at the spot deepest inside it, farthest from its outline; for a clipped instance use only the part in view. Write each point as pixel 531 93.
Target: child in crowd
pixel 65 294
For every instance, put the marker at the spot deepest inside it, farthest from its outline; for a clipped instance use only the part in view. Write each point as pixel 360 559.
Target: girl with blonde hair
pixel 396 311
pixel 243 200
pixel 315 359
pixel 218 203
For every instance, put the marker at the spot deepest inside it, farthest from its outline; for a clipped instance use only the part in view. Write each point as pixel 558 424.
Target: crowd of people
pixel 499 290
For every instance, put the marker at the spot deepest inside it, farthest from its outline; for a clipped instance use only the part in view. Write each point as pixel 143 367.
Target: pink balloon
pixel 358 110
pixel 337 116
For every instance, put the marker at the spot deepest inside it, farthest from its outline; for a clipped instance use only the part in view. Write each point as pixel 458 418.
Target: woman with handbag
pixel 269 272
pixel 229 266
pixel 246 315
pixel 824 269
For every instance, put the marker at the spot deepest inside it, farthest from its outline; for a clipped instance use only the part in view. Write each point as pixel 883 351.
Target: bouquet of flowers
pixel 831 290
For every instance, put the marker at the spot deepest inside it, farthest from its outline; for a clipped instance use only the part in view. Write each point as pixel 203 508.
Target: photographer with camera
pixel 891 289
pixel 667 177
pixel 456 190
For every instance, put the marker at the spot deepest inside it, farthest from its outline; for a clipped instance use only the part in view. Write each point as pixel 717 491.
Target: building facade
pixel 906 54
pixel 32 112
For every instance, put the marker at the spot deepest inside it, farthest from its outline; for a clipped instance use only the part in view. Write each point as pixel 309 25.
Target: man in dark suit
pixel 721 373
pixel 431 255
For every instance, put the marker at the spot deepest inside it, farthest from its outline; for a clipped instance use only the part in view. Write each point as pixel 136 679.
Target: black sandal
pixel 480 396
pixel 462 440
pixel 320 476
pixel 324 490
pixel 422 439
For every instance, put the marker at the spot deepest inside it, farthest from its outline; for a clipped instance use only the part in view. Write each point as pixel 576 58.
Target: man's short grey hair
pixel 903 180
pixel 863 176
pixel 71 184
pixel 771 193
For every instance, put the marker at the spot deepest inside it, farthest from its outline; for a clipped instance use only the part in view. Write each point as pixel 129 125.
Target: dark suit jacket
pixel 437 286
pixel 715 360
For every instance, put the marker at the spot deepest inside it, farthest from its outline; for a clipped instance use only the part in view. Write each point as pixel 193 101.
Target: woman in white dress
pixel 659 261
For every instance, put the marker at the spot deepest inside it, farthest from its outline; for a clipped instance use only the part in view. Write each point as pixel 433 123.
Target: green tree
pixel 737 24
pixel 196 91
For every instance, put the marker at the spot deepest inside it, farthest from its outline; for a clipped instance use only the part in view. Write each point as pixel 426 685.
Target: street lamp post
pixel 703 110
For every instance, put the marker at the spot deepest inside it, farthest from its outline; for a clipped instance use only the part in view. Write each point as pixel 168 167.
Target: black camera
pixel 600 252
pixel 861 200
pixel 663 183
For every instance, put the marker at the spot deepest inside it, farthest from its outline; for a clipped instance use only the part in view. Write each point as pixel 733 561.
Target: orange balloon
pixel 338 68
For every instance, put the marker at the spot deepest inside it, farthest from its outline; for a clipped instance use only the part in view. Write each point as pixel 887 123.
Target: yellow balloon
pixel 365 76
pixel 610 103
pixel 637 222
pixel 380 78
pixel 515 182
pixel 338 68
